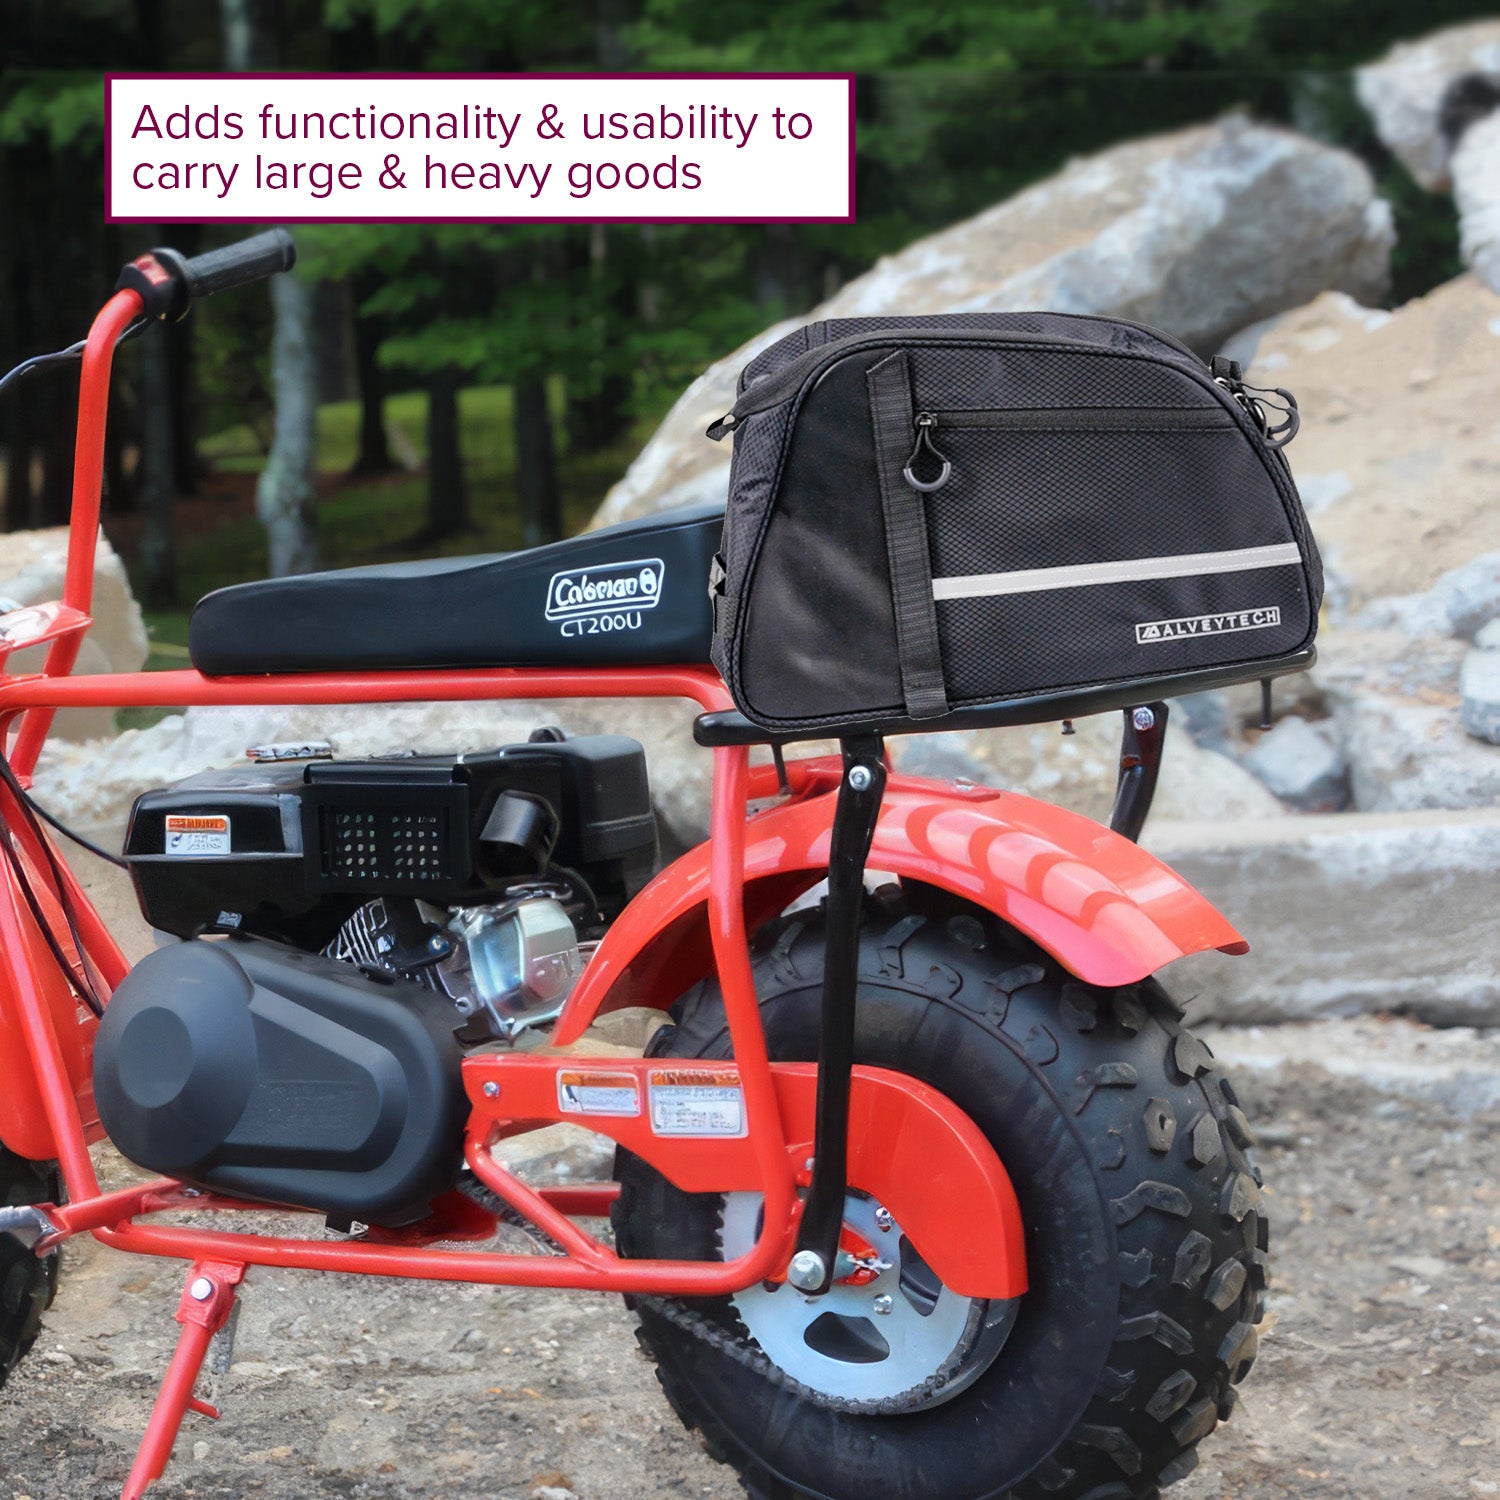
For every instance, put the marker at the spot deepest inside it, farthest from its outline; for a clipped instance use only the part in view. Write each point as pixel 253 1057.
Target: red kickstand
pixel 207 1302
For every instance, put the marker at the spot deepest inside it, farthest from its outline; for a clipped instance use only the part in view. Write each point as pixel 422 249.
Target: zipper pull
pixel 1257 402
pixel 925 424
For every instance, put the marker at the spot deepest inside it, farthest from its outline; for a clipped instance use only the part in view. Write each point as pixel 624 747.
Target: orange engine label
pixel 194 834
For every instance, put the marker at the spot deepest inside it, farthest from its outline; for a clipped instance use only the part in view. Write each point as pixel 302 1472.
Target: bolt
pixel 1143 718
pixel 883 1304
pixel 883 1220
pixel 201 1289
pixel 491 1089
pixel 806 1270
pixel 807 1166
pixel 860 778
pixel 437 943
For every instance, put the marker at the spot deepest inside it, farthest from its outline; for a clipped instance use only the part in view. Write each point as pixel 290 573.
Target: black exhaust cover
pixel 267 1073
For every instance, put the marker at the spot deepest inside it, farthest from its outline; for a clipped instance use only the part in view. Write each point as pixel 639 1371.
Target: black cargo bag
pixel 1039 513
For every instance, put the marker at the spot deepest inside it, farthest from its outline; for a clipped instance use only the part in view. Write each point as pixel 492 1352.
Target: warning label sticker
pixel 585 1092
pixel 696 1102
pixel 199 833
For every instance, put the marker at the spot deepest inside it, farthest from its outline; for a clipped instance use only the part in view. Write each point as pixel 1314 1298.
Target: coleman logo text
pixel 588 601
pixel 1174 630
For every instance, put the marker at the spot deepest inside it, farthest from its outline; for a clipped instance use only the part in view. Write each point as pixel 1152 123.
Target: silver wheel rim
pixel 902 1342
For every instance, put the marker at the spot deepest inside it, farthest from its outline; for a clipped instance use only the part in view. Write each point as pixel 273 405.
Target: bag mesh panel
pixel 1051 500
pixel 757 447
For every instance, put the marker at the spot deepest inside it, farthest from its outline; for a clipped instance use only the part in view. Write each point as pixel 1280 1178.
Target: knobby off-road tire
pixel 1145 1238
pixel 28 1282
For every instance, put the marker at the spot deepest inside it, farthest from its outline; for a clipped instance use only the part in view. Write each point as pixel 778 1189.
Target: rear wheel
pixel 1145 1240
pixel 28 1282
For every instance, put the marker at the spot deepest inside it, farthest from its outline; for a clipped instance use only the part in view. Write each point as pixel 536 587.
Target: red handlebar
pixel 83 523
pixel 161 284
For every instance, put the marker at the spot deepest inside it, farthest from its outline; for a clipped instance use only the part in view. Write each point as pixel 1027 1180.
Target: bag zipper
pixel 1166 340
pixel 1082 418
pixel 789 380
pixel 1053 419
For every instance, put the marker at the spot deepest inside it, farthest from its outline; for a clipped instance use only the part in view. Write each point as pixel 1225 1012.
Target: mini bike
pixel 921 1189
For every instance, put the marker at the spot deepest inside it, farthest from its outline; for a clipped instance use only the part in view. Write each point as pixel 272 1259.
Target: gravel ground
pixel 1379 1374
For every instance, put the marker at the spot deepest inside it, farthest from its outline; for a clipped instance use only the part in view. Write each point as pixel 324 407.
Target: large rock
pixel 1199 232
pixel 1390 725
pixel 1479 687
pixel 1346 913
pixel 1471 596
pixel 1301 765
pixel 1456 1068
pixel 1461 603
pixel 32 565
pixel 1396 711
pixel 1080 771
pixel 1423 94
pixel 1476 191
pixel 1397 436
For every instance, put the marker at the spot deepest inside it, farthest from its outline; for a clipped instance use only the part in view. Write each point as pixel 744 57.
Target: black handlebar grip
pixel 255 259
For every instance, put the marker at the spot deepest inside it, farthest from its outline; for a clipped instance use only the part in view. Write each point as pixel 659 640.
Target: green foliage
pixel 374 521
pixel 463 35
pixel 994 35
pixel 65 109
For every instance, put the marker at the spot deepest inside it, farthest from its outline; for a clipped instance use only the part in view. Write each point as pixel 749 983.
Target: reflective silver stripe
pixel 1128 570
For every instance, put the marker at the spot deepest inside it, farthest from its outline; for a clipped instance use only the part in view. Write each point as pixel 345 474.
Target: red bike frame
pixel 1107 910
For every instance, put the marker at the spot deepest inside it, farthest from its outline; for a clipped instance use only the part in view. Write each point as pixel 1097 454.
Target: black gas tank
pixel 285 1077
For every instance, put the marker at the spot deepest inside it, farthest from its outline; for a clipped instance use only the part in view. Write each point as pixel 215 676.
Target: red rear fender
pixel 1108 911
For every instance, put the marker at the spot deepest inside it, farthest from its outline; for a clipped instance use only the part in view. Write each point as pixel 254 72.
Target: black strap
pixel 906 540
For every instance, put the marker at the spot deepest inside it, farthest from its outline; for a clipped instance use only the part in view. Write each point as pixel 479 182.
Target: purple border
pixel 847 217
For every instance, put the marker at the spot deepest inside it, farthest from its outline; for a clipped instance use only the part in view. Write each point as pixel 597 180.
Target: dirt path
pixel 1379 1379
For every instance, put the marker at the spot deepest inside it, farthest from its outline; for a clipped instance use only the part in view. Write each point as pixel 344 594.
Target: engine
pixel 381 915
pixel 504 967
pixel 483 876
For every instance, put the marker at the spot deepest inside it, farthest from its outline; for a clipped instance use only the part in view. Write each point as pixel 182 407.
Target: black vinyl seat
pixel 628 595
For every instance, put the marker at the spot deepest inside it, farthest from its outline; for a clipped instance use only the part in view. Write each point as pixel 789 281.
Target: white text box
pixel 277 148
